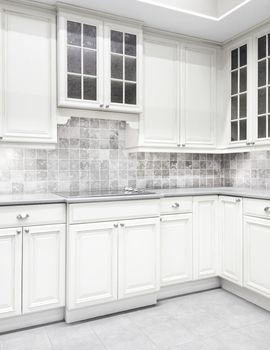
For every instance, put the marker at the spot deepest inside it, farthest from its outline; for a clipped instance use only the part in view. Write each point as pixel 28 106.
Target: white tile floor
pixel 213 320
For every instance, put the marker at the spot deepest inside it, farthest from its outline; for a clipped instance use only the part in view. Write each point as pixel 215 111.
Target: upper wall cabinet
pixel 27 75
pixel 99 64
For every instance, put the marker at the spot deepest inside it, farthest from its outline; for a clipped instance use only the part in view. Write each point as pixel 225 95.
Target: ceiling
pixel 216 20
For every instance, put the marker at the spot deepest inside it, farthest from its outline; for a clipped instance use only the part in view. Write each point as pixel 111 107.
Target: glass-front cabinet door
pixel 239 94
pixel 80 54
pixel 123 53
pixel 263 88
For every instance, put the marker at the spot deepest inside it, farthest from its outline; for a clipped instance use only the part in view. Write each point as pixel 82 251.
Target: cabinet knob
pixel 122 225
pixel 107 106
pixel 26 230
pixel 183 145
pixel 267 209
pixel 18 232
pixel 178 145
pixel 22 216
pixel 101 105
pixel 175 205
pixel 115 225
pixel 238 200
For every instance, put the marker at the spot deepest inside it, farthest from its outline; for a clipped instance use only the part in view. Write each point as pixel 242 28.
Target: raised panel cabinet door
pixel 256 255
pixel 160 118
pixel 10 271
pixel 43 267
pixel 231 246
pixel 138 260
pixel 123 68
pixel 205 234
pixel 29 76
pixel 80 61
pixel 198 96
pixel 92 264
pixel 176 249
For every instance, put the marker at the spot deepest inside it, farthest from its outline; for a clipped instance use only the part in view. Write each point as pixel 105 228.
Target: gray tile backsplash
pixel 90 155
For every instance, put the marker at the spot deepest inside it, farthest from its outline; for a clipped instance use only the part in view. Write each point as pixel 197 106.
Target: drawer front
pixel 29 215
pixel 256 207
pixel 107 211
pixel 175 205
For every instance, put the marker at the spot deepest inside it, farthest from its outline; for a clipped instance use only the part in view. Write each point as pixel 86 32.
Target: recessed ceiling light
pixel 214 10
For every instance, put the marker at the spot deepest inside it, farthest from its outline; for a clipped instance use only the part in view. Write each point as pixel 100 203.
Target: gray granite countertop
pixel 47 198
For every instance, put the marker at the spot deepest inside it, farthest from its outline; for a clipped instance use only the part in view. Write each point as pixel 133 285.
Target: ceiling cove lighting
pixel 214 8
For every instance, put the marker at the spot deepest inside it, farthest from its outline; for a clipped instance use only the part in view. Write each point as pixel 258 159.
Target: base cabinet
pixel 205 237
pixel 176 249
pixel 10 271
pixel 92 264
pixel 256 255
pixel 138 257
pixel 230 218
pixel 43 267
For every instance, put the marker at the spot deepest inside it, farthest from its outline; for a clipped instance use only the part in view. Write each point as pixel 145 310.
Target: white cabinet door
pixel 80 61
pixel 256 255
pixel 10 271
pixel 160 118
pixel 92 264
pixel 230 211
pixel 123 68
pixel 138 260
pixel 198 96
pixel 205 233
pixel 43 267
pixel 28 110
pixel 176 249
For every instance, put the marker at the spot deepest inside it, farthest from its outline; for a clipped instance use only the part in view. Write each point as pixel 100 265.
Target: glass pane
pixel 234 59
pixel 117 67
pixel 74 59
pixel 74 33
pixel 234 83
pixel 234 131
pixel 243 106
pixel 268 44
pixel 268 70
pixel 116 41
pixel 262 127
pixel 130 44
pixel 243 129
pixel 89 88
pixel 74 86
pixel 262 73
pixel 130 94
pixel 243 55
pixel 268 126
pixel 89 36
pixel 234 107
pixel 243 79
pixel 89 62
pixel 130 69
pixel 261 47
pixel 268 99
pixel 262 101
pixel 117 91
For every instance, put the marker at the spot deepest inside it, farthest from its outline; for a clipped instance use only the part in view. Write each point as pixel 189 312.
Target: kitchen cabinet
pixel 28 93
pixel 138 257
pixel 10 271
pixel 231 245
pixel 205 237
pixel 43 267
pixel 176 247
pixel 99 63
pixel 92 264
pixel 256 255
pixel 198 96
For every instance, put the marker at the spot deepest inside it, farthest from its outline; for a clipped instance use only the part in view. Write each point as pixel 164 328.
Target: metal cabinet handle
pixel 115 225
pixel 122 225
pixel 175 205
pixel 178 145
pixel 238 200
pixel 267 209
pixel 183 145
pixel 101 105
pixel 26 230
pixel 22 216
pixel 107 106
pixel 18 232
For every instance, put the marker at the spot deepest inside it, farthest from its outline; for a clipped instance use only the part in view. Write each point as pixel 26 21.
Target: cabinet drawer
pixel 107 211
pixel 257 207
pixel 27 215
pixel 174 205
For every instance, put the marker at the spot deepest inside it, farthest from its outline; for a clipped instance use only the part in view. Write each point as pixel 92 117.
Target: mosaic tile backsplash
pixel 90 155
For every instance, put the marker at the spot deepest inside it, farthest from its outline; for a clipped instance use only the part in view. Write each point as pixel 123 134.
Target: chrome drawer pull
pixel 175 205
pixel 267 209
pixel 22 217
